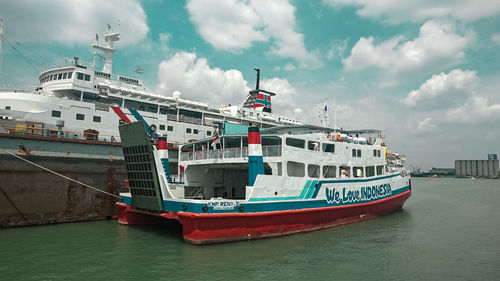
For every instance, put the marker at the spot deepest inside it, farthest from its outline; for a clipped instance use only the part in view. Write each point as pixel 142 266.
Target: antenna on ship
pixel 138 70
pixel 1 42
pixel 334 114
pixel 109 48
pixel 323 113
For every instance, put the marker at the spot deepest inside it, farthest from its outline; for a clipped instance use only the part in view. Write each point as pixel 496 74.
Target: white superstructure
pixel 76 98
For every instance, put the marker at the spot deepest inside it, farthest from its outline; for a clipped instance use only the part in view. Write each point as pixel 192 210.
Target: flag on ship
pixel 262 102
pixel 216 140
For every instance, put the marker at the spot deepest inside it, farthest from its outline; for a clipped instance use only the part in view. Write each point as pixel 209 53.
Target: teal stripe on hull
pixel 263 206
pixel 312 187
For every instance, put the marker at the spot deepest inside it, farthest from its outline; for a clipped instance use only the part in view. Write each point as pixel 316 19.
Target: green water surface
pixel 448 230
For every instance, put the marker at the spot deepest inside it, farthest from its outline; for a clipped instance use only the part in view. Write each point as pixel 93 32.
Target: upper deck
pixel 304 151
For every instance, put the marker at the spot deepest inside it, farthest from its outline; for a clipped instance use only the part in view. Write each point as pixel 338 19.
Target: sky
pixel 425 72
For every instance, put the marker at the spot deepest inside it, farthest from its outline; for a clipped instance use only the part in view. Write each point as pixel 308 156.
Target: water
pixel 448 230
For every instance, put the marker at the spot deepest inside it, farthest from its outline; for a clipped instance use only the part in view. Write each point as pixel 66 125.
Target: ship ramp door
pixel 141 170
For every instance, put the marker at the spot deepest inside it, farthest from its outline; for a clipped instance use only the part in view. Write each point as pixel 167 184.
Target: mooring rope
pixel 56 173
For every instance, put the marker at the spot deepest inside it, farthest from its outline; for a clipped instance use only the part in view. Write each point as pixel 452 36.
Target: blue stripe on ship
pixel 139 118
pixel 316 191
pixel 312 187
pixel 166 167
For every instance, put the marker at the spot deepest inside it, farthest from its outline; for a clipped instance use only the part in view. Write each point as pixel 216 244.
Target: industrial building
pixel 442 171
pixel 478 168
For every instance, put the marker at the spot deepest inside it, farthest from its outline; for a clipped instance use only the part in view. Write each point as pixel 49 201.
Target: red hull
pixel 219 228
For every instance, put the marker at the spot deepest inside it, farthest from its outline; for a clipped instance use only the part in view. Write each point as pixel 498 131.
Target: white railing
pixel 234 152
pixel 191 120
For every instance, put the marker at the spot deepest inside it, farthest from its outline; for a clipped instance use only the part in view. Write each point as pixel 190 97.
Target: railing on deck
pixel 191 120
pixel 39 129
pixel 234 152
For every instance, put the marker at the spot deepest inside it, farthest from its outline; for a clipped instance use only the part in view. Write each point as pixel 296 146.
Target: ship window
pixel 59 77
pixel 65 74
pixel 87 77
pixel 329 147
pixel 69 75
pixel 370 171
pixel 295 142
pixel 380 170
pixel 313 145
pixel 329 171
pixel 344 171
pixel 142 106
pixel 79 76
pixel 280 168
pixel 359 152
pixel 166 110
pixel 313 171
pixel 184 113
pixel 353 152
pixel 97 119
pixel 209 133
pixel 195 131
pixel 7 107
pixel 170 128
pixel 378 153
pixel 295 169
pixel 80 116
pixel 188 130
pixel 357 172
pixel 374 153
pixel 56 113
pixel 162 127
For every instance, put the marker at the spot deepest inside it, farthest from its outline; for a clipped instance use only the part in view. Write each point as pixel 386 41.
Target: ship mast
pixel 108 48
pixel 1 42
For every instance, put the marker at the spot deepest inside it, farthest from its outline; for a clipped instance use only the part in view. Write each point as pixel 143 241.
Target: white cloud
pixel 496 38
pixel 426 125
pixel 444 90
pixel 285 100
pixel 227 25
pixel 289 67
pixel 196 80
pixel 72 21
pixel 476 109
pixel 396 11
pixel 338 49
pixel 438 43
pixel 233 25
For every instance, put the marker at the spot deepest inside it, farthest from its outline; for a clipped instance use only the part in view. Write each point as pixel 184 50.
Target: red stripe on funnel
pixel 162 145
pixel 254 137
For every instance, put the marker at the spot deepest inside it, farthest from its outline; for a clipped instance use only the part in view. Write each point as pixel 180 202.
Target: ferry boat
pixel 78 101
pixel 249 183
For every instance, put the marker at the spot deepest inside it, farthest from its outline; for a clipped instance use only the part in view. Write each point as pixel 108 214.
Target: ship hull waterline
pixel 201 229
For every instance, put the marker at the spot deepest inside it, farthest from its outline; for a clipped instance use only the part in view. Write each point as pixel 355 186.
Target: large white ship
pixel 74 99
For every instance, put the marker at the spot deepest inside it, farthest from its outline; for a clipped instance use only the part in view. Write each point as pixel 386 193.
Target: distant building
pixel 492 157
pixel 477 168
pixel 442 171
